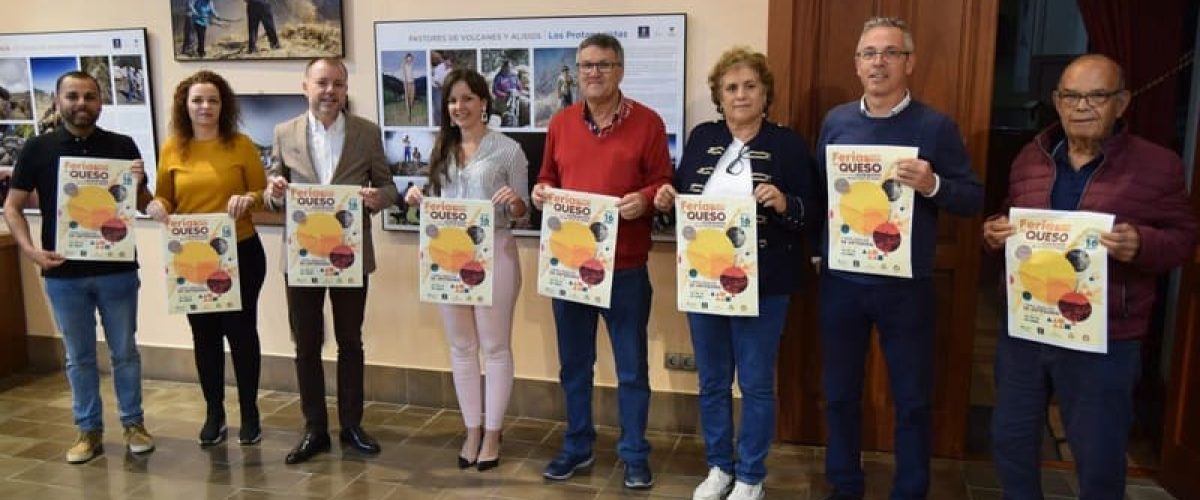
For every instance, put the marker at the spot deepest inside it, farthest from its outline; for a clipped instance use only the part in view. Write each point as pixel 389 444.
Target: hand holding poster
pixel 201 264
pixel 717 255
pixel 578 247
pixel 457 243
pixel 1057 278
pixel 870 213
pixel 96 207
pixel 324 235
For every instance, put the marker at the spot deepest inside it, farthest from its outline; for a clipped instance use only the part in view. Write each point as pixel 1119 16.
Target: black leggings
pixel 241 328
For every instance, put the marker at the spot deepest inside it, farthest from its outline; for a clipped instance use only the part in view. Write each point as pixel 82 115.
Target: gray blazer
pixel 362 163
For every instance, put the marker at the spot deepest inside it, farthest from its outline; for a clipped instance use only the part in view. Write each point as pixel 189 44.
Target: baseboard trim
pixel 669 412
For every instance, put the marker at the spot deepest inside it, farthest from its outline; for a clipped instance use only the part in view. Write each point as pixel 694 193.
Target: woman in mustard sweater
pixel 207 166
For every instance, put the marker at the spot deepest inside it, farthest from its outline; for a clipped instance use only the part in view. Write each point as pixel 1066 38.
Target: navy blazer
pixel 777 156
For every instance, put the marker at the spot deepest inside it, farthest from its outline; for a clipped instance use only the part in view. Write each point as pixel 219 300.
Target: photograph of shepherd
pixel 257 29
pixel 405 99
pixel 98 67
pixel 45 72
pixel 12 139
pixel 130 77
pixel 508 72
pixel 442 62
pixel 16 100
pixel 555 82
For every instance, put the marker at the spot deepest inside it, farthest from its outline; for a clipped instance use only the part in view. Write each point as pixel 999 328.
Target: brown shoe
pixel 89 445
pixel 137 439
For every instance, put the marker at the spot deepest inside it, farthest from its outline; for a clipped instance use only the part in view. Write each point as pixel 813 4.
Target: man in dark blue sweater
pixel 901 308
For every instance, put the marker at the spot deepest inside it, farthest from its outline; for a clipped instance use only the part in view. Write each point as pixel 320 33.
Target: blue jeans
pixel 903 312
pixel 749 346
pixel 626 320
pixel 1095 396
pixel 75 301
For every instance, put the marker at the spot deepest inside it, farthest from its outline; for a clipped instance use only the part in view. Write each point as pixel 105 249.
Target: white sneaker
pixel 715 487
pixel 743 491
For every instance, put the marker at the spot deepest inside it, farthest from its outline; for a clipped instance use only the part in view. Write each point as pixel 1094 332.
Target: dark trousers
pixel 240 328
pixel 200 30
pixel 903 313
pixel 1095 396
pixel 626 319
pixel 306 313
pixel 260 12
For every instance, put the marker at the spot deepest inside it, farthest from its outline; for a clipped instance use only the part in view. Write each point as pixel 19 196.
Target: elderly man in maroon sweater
pixel 1089 162
pixel 607 144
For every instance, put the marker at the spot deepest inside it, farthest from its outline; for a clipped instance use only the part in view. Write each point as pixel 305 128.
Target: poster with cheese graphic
pixel 870 213
pixel 455 257
pixel 716 255
pixel 201 264
pixel 578 247
pixel 1057 278
pixel 97 202
pixel 324 235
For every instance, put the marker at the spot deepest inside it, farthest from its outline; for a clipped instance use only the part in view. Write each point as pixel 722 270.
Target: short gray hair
pixel 604 41
pixel 890 22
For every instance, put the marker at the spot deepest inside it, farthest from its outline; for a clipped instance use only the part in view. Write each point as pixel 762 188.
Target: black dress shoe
pixel 310 445
pixel 358 439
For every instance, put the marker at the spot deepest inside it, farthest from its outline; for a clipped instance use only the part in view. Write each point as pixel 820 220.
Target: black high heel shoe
pixel 485 465
pixel 466 464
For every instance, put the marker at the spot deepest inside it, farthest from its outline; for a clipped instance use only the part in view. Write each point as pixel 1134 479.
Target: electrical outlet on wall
pixel 680 361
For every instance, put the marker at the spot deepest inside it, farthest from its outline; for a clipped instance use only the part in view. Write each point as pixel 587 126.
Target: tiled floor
pixel 419 449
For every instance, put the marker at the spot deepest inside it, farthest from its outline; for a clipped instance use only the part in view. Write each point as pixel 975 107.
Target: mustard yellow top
pixel 211 174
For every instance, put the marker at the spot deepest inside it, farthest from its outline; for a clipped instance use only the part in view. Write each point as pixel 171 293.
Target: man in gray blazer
pixel 326 145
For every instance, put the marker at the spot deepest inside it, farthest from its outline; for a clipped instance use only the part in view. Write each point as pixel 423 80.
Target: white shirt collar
pixel 862 106
pixel 338 127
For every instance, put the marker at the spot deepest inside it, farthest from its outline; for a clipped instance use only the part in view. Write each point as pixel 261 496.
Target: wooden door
pixel 811 49
pixel 1181 436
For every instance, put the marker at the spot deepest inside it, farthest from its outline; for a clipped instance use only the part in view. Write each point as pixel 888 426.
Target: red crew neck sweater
pixel 633 157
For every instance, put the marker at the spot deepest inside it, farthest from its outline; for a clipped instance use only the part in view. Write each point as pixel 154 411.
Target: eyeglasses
pixel 1096 98
pixel 603 67
pixel 888 54
pixel 737 162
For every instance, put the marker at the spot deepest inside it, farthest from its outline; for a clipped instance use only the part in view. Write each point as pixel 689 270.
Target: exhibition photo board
pixel 30 64
pixel 530 67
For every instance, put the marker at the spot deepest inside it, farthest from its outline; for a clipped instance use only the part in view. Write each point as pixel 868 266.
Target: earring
pixel 483 117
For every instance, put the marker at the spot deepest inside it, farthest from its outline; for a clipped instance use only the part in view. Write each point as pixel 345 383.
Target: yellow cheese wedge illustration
pixel 572 244
pixel 710 253
pixel 196 261
pixel 319 233
pixel 864 207
pixel 451 249
pixel 92 206
pixel 1047 275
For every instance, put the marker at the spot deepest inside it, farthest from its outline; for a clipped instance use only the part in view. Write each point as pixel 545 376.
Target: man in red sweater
pixel 607 144
pixel 1089 162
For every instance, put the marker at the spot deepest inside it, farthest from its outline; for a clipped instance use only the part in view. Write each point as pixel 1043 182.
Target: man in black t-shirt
pixel 77 289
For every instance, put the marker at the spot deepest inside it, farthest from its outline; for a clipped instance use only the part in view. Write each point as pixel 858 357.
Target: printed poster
pixel 97 202
pixel 201 263
pixel 870 213
pixel 578 247
pixel 457 245
pixel 1057 278
pixel 716 255
pixel 324 235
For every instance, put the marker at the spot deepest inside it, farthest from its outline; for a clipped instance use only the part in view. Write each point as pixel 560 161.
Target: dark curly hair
pixel 227 121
